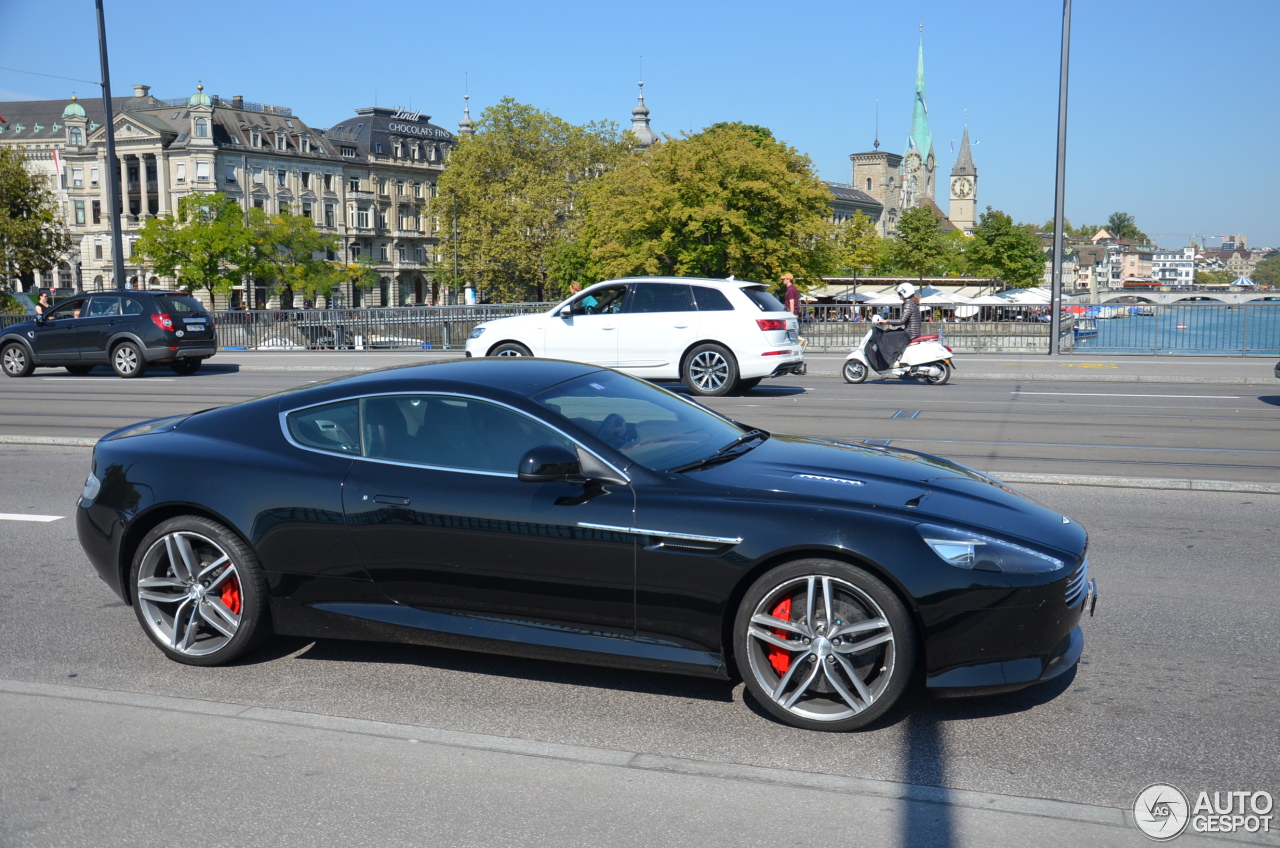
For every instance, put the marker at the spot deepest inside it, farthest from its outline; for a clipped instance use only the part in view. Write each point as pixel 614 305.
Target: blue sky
pixel 1175 105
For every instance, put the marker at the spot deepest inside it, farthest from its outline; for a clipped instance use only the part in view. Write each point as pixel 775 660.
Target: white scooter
pixel 926 357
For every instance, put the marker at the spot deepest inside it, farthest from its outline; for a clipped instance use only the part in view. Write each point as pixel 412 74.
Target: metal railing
pixel 1247 329
pixel 993 329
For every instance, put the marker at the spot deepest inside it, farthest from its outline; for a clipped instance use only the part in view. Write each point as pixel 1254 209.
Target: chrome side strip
pixel 667 534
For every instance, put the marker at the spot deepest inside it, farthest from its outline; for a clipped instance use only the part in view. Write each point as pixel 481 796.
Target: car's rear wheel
pixel 16 361
pixel 824 645
pixel 185 366
pixel 127 360
pixel 940 378
pixel 511 349
pixel 199 592
pixel 709 370
pixel 855 372
pixel 79 370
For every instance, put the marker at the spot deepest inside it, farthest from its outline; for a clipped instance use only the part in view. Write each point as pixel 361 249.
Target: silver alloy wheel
pixel 189 592
pixel 125 360
pixel 15 360
pixel 709 370
pixel 510 351
pixel 855 371
pixel 835 652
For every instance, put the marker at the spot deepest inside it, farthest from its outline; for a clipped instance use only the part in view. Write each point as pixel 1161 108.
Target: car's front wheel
pixel 199 592
pixel 127 360
pixel 709 370
pixel 511 349
pixel 824 645
pixel 16 361
pixel 185 366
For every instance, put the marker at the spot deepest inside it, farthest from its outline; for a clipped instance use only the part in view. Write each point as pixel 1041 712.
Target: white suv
pixel 713 335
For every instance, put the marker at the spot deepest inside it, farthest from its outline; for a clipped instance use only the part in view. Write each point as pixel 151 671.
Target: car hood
pixel 916 486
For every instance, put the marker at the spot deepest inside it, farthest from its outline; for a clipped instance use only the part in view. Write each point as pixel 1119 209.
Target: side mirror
pixel 550 464
pixel 566 312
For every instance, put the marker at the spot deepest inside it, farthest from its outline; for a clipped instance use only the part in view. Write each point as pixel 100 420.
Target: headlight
pixel 983 553
pixel 91 488
pixel 476 333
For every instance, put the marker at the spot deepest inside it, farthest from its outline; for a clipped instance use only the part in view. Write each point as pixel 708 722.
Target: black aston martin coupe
pixel 558 510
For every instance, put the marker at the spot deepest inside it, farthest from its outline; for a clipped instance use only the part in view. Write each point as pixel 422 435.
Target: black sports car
pixel 558 510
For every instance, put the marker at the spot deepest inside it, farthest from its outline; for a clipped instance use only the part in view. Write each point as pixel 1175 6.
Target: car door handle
pixel 681 326
pixel 397 500
pixel 607 327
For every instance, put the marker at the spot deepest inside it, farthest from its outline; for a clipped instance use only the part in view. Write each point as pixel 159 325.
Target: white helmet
pixel 905 290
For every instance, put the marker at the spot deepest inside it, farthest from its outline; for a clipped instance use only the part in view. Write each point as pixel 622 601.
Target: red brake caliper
pixel 231 594
pixel 779 658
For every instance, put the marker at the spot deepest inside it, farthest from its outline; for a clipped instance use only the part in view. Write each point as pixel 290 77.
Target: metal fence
pixel 994 329
pixel 1246 329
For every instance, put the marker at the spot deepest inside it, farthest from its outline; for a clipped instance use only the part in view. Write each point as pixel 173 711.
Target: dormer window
pixel 202 128
pixel 255 139
pixel 280 140
pixel 75 136
pixel 305 143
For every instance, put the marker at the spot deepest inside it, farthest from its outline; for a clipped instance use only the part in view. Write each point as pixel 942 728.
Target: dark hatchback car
pixel 128 330
pixel 564 511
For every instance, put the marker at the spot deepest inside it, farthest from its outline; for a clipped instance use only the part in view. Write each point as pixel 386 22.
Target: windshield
pixel 650 426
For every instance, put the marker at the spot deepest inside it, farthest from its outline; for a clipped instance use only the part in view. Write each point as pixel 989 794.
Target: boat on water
pixel 1107 312
pixel 1085 328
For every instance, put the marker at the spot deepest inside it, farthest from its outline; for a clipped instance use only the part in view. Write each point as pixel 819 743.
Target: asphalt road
pixel 1215 432
pixel 1178 684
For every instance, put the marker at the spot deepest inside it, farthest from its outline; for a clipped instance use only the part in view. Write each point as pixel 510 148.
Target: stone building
pixel 365 181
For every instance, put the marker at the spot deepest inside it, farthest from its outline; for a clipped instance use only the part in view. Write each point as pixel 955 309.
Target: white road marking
pixel 143 382
pixel 1117 394
pixel 13 516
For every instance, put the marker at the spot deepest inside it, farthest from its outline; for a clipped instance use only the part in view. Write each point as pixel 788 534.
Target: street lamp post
pixel 116 202
pixel 1055 302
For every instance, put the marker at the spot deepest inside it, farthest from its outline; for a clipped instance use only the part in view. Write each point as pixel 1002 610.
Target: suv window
pixel 102 305
pixel 660 297
pixel 179 304
pixel 605 301
pixel 70 308
pixel 760 297
pixel 711 300
pixel 131 306
pixel 333 427
pixel 451 432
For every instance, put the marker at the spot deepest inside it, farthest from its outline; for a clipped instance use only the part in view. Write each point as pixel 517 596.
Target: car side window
pixel 71 308
pixel 446 431
pixel 606 301
pixel 333 427
pixel 103 305
pixel 660 297
pixel 129 306
pixel 711 300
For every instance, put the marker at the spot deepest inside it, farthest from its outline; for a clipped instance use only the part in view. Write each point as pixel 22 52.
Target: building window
pixel 231 173
pixel 306 209
pixel 259 203
pixel 377 148
pixel 79 211
pixel 304 143
pixel 202 171
pixel 417 189
pixel 328 214
pixel 328 182
pixel 97 250
pixel 382 253
pixel 280 140
pixel 93 175
pixel 202 128
pixel 383 187
pixel 382 219
pixel 868 185
pixel 76 137
pixel 399 150
pixel 281 177
pixel 182 172
pixel 433 189
pixel 362 217
pixel 404 253
pixel 306 179
pixel 355 251
pixel 97 214
pixel 399 187
pixel 349 152
pixel 77 176
pixel 420 253
pixel 283 204
pixel 257 176
pixel 353 184
pixel 255 139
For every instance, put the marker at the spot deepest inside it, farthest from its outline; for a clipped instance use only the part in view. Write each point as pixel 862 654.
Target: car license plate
pixel 194 327
pixel 793 335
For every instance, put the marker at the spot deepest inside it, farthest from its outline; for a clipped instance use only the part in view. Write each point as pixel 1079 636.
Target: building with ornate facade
pixel 364 181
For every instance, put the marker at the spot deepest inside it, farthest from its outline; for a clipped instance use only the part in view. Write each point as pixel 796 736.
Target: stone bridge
pixel 1182 296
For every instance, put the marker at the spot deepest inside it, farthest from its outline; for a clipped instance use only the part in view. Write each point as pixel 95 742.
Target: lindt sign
pixel 402 114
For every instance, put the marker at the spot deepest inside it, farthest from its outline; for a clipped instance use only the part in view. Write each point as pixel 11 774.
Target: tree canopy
pixel 205 246
pixel 1006 251
pixel 1122 225
pixel 32 234
pixel 919 244
pixel 730 200
pixel 1267 272
pixel 515 189
pixel 291 255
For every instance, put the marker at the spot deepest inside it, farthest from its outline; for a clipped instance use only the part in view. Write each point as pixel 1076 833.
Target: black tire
pixel 814 674
pixel 709 370
pixel 79 370
pixel 747 385
pixel 185 366
pixel 16 360
pixel 127 360
pixel 221 626
pixel 855 372
pixel 511 349
pixel 941 379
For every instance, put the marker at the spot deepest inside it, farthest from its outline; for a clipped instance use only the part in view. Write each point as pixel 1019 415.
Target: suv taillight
pixel 771 323
pixel 162 321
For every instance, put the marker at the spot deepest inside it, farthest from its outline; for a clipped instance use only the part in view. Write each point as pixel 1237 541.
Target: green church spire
pixel 920 139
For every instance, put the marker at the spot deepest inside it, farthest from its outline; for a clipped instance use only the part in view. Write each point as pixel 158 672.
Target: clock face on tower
pixel 962 187
pixel 913 161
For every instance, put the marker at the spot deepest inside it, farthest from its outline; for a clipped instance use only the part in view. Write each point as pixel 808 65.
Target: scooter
pixel 925 357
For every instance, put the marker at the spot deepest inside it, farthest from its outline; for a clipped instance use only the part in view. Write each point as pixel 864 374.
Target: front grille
pixel 1075 586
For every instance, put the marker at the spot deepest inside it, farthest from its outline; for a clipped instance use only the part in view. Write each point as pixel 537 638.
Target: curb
pixel 961 376
pixel 60 441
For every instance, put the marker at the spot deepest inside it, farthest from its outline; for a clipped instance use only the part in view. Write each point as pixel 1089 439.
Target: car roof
pixel 741 284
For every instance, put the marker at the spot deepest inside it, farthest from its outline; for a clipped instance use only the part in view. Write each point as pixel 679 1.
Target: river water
pixel 1204 328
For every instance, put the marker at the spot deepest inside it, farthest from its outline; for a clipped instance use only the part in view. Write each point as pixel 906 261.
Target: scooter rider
pixel 910 318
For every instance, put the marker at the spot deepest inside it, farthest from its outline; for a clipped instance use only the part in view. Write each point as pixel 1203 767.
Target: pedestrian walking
pixel 792 296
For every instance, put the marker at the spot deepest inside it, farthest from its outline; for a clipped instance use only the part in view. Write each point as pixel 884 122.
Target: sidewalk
pixel 1221 370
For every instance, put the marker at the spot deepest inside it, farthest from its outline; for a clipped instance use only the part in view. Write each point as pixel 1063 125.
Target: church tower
pixel 919 165
pixel 963 210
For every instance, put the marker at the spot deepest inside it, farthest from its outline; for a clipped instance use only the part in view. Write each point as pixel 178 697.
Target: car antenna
pixel 729 278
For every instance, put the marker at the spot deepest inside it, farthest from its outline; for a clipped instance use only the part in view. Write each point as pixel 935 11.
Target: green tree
pixel 32 234
pixel 1267 272
pixel 205 246
pixel 955 255
pixel 361 274
pixel 1122 225
pixel 1006 251
pixel 291 254
pixel 1203 278
pixel 730 200
pixel 919 244
pixel 515 189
